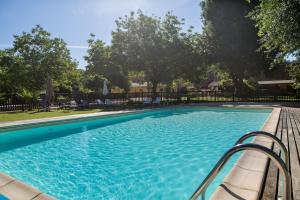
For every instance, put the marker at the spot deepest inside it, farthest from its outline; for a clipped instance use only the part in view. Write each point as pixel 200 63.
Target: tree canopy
pixel 157 47
pixel 34 57
pixel 278 22
pixel 147 44
pixel 232 39
pixel 101 65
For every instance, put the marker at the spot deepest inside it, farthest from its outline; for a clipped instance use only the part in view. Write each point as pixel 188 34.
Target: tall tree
pixel 149 45
pixel 232 38
pixel 193 58
pixel 34 57
pixel 12 74
pixel 102 65
pixel 279 25
pixel 278 22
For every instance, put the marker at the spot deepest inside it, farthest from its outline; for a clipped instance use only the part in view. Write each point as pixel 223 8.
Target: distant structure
pixel 277 86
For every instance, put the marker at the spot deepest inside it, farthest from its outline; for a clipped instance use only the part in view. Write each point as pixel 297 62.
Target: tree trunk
pixel 154 88
pixel 238 86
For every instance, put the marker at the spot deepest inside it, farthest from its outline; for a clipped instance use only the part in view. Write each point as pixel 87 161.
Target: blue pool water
pixel 160 154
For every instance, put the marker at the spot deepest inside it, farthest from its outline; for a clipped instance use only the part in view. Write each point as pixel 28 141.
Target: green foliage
pixel 12 72
pixel 136 77
pixel 34 57
pixel 101 64
pixel 61 99
pixel 278 22
pixel 294 72
pixel 279 25
pixel 222 76
pixel 28 96
pixel 153 46
pixel 193 61
pixel 94 82
pixel 3 98
pixel 232 39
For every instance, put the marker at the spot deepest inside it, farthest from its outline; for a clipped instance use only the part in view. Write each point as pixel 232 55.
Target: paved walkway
pixel 288 131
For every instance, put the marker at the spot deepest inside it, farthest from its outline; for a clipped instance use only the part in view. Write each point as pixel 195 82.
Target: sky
pixel 74 20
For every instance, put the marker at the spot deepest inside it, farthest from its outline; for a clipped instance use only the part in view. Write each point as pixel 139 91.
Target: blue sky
pixel 74 20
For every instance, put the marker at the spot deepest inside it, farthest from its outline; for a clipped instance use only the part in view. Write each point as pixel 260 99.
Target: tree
pixel 101 65
pixel 34 57
pixel 193 58
pixel 278 22
pixel 43 57
pixel 232 39
pixel 94 82
pixel 12 73
pixel 149 45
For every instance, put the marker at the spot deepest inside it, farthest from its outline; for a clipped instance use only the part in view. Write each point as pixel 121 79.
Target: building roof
pixel 139 85
pixel 275 82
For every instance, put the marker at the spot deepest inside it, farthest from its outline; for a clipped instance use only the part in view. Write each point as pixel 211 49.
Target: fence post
pixel 215 95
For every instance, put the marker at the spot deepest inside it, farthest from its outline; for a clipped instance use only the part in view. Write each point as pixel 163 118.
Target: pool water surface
pixel 158 154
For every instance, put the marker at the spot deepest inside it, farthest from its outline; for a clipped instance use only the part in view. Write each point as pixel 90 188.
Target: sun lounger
pixel 97 102
pixel 147 100
pixel 108 102
pixel 72 104
pixel 157 100
pixel 83 104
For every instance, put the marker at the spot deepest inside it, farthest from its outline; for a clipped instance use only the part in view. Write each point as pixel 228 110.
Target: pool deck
pixel 252 177
pixel 289 132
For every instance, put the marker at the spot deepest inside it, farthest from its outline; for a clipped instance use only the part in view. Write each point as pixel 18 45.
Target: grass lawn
pixel 15 116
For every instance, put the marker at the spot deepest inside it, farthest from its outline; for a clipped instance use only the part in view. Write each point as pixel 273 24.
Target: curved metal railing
pixel 241 147
pixel 270 136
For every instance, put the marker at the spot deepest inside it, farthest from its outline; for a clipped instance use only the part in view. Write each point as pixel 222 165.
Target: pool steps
pixel 246 177
pixel 16 190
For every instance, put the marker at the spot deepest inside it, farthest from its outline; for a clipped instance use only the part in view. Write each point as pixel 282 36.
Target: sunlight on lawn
pixel 15 116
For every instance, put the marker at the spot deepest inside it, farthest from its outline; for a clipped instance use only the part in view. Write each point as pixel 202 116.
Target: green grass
pixel 15 116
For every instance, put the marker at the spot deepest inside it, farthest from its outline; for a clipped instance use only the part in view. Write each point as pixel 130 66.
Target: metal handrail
pixel 270 136
pixel 241 147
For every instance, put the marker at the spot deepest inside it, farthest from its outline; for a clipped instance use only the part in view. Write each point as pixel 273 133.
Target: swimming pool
pixel 159 154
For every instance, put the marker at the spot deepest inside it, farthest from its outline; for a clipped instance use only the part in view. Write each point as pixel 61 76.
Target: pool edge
pixel 246 179
pixel 31 123
pixel 15 189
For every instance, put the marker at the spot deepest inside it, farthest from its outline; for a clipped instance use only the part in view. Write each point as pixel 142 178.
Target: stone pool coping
pixel 30 123
pixel 246 177
pixel 16 190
